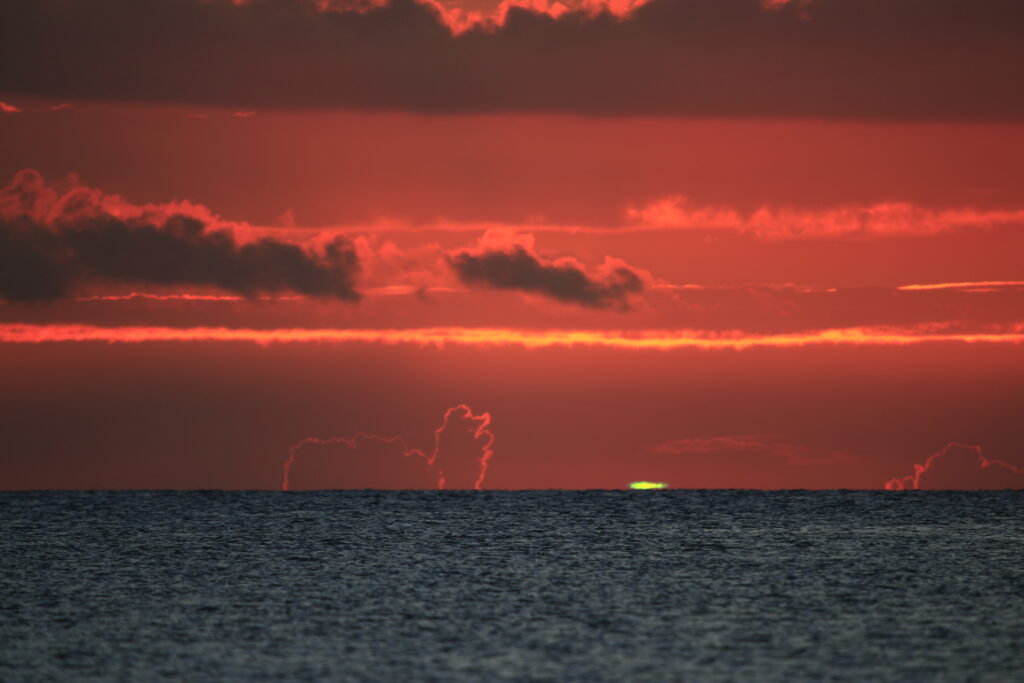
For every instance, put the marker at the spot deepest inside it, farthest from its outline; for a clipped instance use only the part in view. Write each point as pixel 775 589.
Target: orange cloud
pixel 776 223
pixel 459 20
pixel 890 218
pixel 640 340
pixel 29 196
pixel 982 286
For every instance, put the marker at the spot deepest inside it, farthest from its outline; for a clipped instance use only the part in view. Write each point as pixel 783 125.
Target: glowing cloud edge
pixel 656 340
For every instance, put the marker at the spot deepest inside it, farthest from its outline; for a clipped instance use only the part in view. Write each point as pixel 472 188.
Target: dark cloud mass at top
pixel 49 247
pixel 888 59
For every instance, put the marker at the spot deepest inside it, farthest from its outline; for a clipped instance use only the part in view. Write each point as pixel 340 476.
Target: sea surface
pixel 517 586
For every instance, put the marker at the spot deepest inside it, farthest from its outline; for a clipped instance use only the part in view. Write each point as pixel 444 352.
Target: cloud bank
pixel 52 244
pixel 897 60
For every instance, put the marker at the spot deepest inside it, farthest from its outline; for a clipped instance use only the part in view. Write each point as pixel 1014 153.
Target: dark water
pixel 588 586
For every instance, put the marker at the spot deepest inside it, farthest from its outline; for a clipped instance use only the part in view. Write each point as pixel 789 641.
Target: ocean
pixel 512 586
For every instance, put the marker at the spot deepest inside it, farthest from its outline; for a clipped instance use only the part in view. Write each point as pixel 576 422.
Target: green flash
pixel 644 485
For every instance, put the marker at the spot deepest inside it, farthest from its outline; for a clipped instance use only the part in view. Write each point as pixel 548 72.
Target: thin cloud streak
pixel 653 340
pixel 678 214
pixel 146 296
pixel 981 285
pixel 767 222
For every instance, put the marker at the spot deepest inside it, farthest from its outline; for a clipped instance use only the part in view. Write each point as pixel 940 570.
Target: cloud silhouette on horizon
pixel 960 466
pixel 463 446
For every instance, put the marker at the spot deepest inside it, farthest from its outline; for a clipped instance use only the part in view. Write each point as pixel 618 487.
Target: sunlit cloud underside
pixel 661 340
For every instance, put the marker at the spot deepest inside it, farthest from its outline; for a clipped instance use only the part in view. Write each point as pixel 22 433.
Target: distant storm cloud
pixel 898 60
pixel 52 244
pixel 507 262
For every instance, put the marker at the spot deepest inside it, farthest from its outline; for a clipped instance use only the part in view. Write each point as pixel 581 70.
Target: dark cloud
pixel 79 243
pixel 891 59
pixel 33 264
pixel 517 268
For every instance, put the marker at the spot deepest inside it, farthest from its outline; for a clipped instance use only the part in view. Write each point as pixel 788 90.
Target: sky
pixel 329 244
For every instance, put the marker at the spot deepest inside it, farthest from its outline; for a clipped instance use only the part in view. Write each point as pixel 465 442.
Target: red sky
pixel 716 265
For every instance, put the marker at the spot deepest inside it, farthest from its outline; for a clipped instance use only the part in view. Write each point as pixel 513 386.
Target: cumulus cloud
pixel 508 261
pixel 826 59
pixel 463 446
pixel 52 243
pixel 960 466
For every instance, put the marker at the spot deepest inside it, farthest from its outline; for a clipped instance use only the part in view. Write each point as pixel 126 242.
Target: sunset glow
pixel 501 340
pixel 719 243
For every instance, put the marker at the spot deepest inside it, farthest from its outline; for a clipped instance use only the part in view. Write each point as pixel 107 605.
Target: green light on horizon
pixel 645 485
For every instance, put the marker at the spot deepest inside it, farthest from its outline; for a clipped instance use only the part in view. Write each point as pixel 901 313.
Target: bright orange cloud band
pixel 661 340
